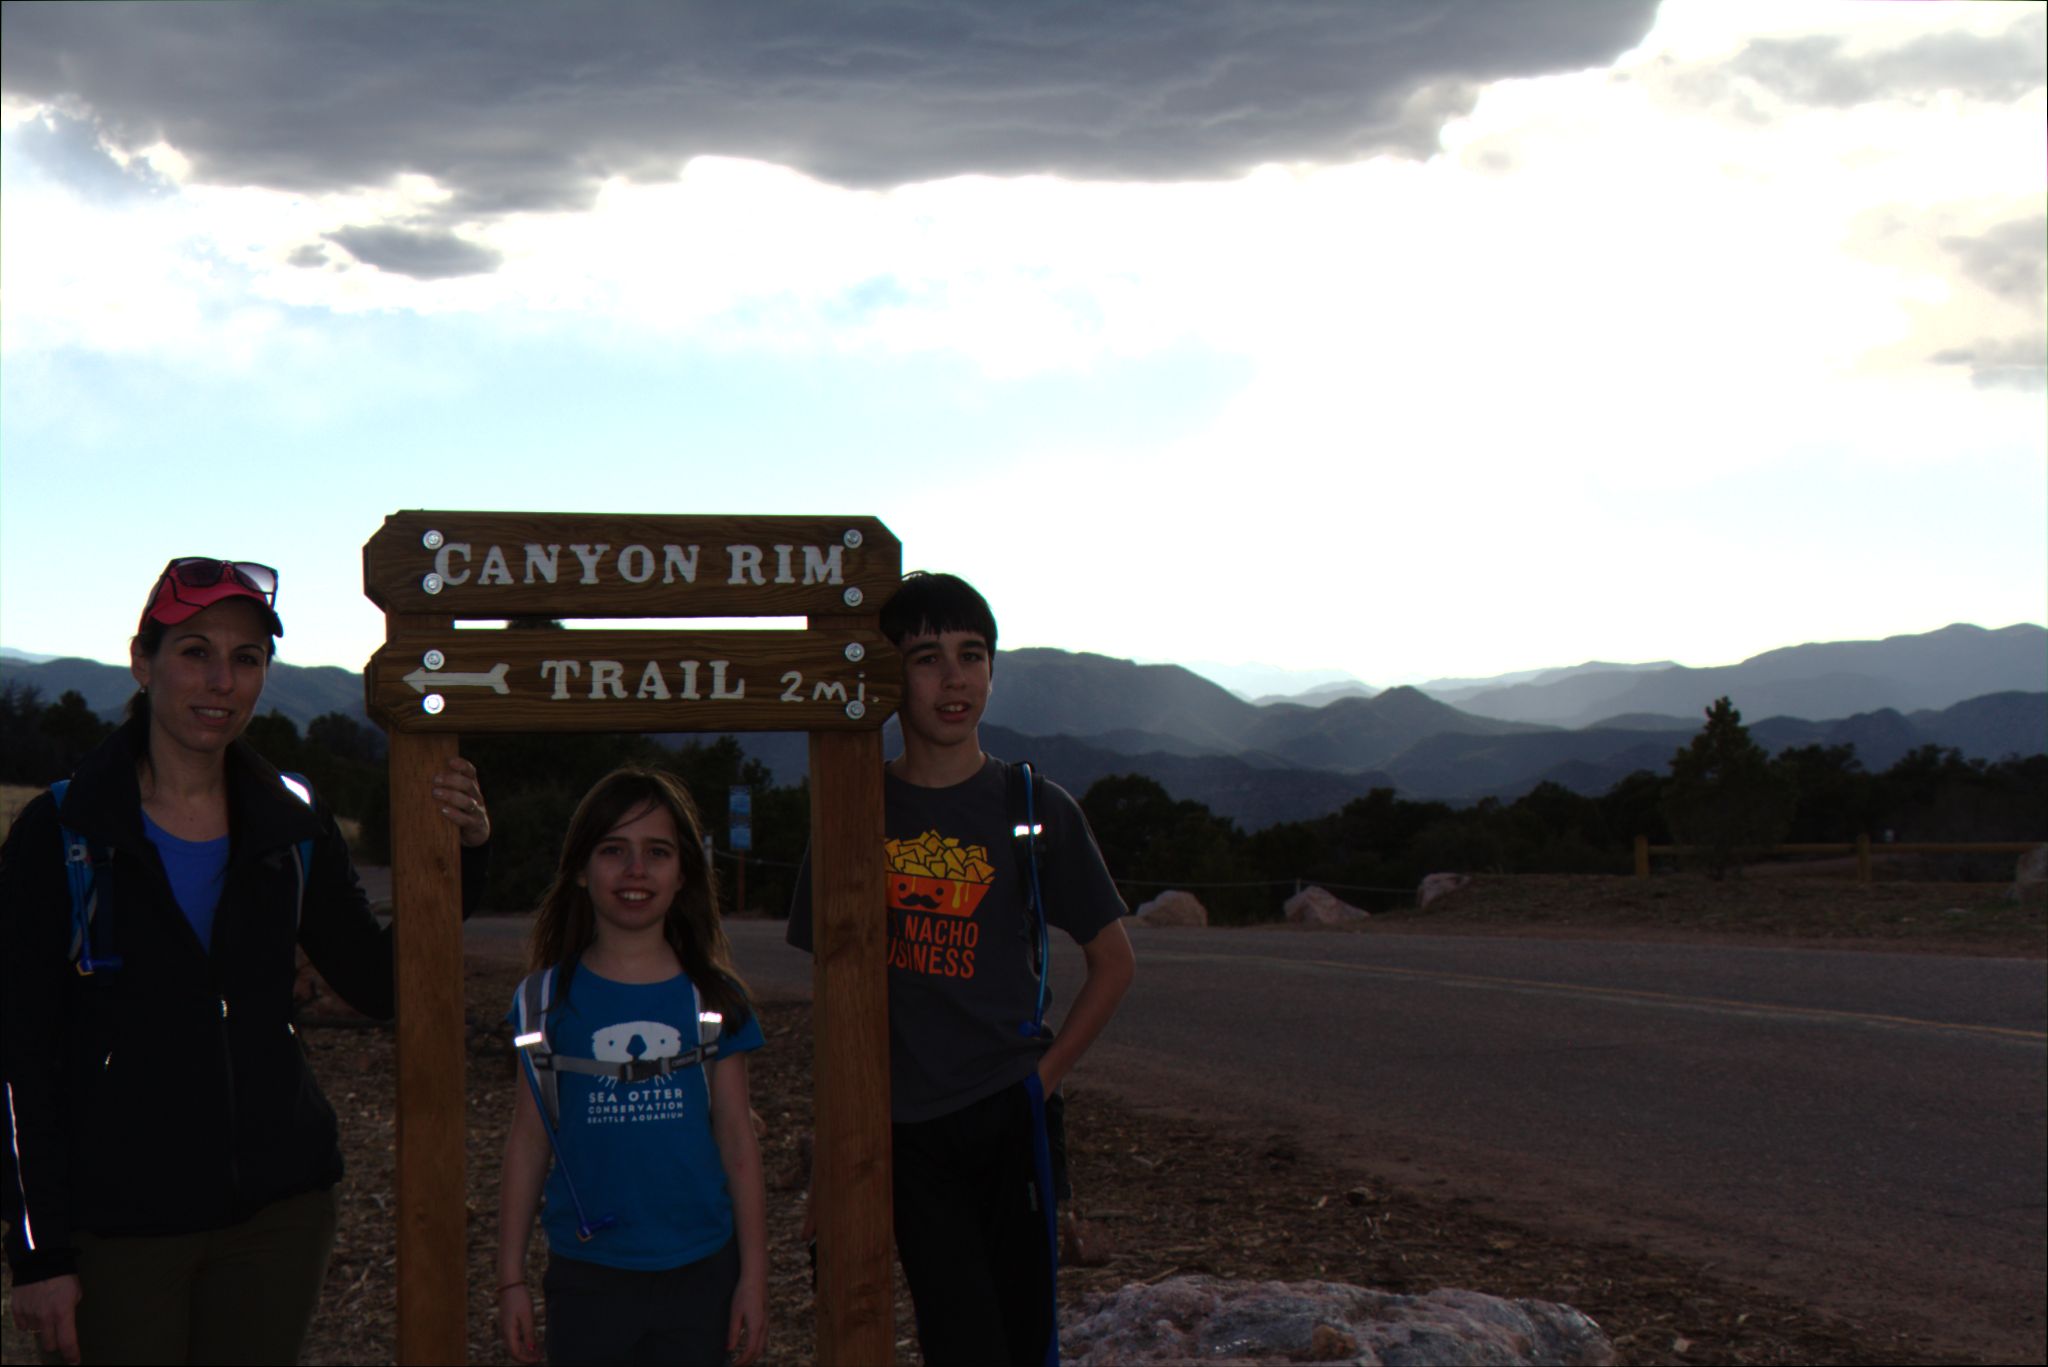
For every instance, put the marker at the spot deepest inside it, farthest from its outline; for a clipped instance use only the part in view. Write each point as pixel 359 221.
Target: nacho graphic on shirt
pixel 935 884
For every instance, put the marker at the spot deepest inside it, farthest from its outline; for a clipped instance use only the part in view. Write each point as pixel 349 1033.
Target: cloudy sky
pixel 1403 339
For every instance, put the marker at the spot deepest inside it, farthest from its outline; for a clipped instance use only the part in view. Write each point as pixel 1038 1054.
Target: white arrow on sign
pixel 423 679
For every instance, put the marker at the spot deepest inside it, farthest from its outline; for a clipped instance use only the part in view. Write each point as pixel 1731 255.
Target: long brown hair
pixel 567 923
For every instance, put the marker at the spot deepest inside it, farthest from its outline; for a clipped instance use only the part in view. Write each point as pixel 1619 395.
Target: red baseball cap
pixel 191 584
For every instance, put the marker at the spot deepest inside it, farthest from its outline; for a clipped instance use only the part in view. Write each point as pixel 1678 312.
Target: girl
pixel 656 1216
pixel 171 1162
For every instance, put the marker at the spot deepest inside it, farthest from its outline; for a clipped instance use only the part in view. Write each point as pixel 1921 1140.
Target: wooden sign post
pixel 838 679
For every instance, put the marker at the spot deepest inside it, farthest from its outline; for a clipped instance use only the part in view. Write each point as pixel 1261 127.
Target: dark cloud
pixel 1824 70
pixel 2002 362
pixel 532 106
pixel 422 253
pixel 2010 260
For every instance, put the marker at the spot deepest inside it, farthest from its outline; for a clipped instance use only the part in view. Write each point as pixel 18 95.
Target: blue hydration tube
pixel 585 1226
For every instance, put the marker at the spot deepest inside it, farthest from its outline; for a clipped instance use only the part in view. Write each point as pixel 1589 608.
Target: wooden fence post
pixel 850 1031
pixel 1863 858
pixel 433 1298
pixel 1642 856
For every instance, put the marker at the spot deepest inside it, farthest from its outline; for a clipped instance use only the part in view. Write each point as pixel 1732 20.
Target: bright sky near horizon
pixel 1404 339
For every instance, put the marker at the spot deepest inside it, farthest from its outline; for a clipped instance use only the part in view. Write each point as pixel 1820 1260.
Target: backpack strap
pixel 530 1037
pixel 302 852
pixel 1029 833
pixel 81 873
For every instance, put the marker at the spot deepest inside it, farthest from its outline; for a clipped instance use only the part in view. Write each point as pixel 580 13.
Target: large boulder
pixel 1438 885
pixel 2028 875
pixel 1213 1320
pixel 1174 908
pixel 1320 907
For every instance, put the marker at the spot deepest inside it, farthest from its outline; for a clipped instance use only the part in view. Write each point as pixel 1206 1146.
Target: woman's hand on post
pixel 515 1322
pixel 49 1310
pixel 460 794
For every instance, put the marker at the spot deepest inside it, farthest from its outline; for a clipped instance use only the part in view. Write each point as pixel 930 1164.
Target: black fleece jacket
pixel 171 1095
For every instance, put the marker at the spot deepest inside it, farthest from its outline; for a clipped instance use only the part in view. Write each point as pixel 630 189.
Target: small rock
pixel 1329 1344
pixel 795 1175
pixel 2028 874
pixel 1437 885
pixel 1174 908
pixel 1318 907
pixel 1083 1242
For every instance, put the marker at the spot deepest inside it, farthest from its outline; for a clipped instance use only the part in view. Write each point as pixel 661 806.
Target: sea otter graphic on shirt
pixel 936 884
pixel 642 1152
pixel 612 1102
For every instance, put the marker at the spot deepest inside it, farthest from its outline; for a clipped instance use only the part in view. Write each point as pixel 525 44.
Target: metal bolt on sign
pixel 432 583
pixel 433 659
pixel 852 597
pixel 856 709
pixel 856 652
pixel 433 703
pixel 852 538
pixel 433 541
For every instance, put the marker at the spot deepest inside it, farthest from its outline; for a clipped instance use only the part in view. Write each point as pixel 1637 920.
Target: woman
pixel 171 1165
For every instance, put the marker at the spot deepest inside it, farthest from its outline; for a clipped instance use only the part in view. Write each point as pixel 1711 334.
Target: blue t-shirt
pixel 197 870
pixel 640 1152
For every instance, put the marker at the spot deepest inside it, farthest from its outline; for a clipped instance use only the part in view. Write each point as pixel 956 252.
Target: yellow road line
pixel 1640 994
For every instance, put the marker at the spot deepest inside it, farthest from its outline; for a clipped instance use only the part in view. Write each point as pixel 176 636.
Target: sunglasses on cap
pixel 198 572
pixel 192 583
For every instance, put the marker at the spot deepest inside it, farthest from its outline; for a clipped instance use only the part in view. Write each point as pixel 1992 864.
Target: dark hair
pixel 149 639
pixel 930 603
pixel 567 924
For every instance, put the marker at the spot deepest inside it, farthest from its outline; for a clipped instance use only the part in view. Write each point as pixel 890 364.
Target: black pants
pixel 599 1314
pixel 244 1294
pixel 974 1229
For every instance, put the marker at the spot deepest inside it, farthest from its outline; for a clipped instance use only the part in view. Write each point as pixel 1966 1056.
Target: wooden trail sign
pixel 494 565
pixel 839 680
pixel 456 681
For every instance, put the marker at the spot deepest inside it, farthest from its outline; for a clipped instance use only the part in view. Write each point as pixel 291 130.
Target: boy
pixel 971 1064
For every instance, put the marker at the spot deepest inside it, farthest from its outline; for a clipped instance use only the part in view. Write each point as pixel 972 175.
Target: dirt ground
pixel 1166 1195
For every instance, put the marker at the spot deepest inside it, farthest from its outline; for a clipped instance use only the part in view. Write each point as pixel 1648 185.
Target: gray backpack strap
pixel 530 1037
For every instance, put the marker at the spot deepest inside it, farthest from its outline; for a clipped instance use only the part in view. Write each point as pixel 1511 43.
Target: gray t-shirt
pixel 961 986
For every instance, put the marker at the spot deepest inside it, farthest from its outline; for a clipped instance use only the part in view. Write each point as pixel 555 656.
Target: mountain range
pixel 1084 716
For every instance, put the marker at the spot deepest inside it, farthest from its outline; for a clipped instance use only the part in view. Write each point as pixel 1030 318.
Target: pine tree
pixel 1724 797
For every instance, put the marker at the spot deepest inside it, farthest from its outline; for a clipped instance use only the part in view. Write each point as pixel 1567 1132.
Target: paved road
pixel 1864 1131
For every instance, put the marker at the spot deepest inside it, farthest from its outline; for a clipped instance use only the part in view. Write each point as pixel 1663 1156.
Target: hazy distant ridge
pixel 1084 716
pixel 1832 679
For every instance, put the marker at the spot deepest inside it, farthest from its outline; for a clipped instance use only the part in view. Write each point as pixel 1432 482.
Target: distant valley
pixel 1083 716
